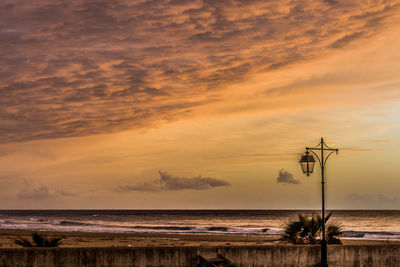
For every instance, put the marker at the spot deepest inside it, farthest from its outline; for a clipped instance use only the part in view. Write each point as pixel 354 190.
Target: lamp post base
pixel 324 253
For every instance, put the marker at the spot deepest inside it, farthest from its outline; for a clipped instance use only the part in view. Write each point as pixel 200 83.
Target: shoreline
pixel 104 239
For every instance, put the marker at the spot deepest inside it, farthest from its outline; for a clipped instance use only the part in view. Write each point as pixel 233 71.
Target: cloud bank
pixel 286 177
pixel 169 182
pixel 40 192
pixel 371 201
pixel 74 68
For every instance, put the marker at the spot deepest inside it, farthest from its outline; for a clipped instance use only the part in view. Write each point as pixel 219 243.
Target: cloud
pixel 40 192
pixel 369 201
pixel 169 182
pixel 382 140
pixel 357 148
pixel 355 197
pixel 366 198
pixel 345 40
pixel 74 68
pixel 286 177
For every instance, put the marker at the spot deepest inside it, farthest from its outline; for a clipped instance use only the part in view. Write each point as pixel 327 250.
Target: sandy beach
pixel 84 239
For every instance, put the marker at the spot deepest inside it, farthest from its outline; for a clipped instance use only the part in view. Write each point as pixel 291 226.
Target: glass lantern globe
pixel 307 163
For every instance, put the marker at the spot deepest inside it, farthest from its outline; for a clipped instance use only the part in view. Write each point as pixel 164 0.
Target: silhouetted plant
pixel 23 242
pixel 333 232
pixel 307 230
pixel 38 241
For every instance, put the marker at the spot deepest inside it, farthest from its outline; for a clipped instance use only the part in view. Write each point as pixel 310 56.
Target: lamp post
pixel 307 163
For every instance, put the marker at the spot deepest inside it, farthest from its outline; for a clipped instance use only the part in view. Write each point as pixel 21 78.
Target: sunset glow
pixel 178 104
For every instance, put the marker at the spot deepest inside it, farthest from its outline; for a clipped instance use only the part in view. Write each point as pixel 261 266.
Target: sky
pixel 198 104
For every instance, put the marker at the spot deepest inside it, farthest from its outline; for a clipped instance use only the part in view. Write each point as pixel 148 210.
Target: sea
pixel 356 224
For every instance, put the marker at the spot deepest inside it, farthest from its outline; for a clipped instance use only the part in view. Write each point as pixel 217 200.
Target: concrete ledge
pixel 255 256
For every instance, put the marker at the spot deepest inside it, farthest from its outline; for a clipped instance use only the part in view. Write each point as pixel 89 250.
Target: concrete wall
pixel 255 256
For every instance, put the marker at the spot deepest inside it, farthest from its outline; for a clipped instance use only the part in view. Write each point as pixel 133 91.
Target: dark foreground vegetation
pixel 308 230
pixel 39 241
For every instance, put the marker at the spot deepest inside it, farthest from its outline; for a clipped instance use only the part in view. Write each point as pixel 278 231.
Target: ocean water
pixel 357 224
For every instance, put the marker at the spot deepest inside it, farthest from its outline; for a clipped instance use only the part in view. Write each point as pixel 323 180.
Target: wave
pixel 34 223
pixel 167 229
pixel 178 228
pixel 217 228
pixel 73 223
pixel 370 235
pixel 37 220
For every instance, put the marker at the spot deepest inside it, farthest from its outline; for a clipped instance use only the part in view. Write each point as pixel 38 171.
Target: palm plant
pixel 306 230
pixel 38 241
pixel 333 232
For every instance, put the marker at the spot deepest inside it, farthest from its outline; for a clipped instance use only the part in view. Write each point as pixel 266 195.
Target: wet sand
pixel 83 239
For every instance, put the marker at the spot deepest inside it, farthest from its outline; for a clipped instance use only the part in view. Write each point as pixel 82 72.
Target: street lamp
pixel 307 165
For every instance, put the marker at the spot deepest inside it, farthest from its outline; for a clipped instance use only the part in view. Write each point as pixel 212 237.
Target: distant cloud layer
pixel 286 177
pixel 357 198
pixel 73 68
pixel 169 182
pixel 371 201
pixel 38 192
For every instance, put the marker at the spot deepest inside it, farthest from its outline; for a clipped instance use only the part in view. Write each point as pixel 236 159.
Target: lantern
pixel 307 163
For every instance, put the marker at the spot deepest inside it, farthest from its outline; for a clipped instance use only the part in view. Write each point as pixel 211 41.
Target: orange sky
pixel 198 104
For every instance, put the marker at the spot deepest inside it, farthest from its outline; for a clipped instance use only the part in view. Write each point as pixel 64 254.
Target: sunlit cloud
pixel 168 182
pixel 94 94
pixel 34 191
pixel 286 177
pixel 75 68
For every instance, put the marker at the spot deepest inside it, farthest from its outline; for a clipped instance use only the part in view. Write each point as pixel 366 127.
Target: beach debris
pixel 219 261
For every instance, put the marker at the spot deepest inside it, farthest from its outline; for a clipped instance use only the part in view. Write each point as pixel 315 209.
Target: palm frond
pixel 307 230
pixel 23 242
pixel 39 241
pixel 329 215
pixel 333 233
pixel 53 242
